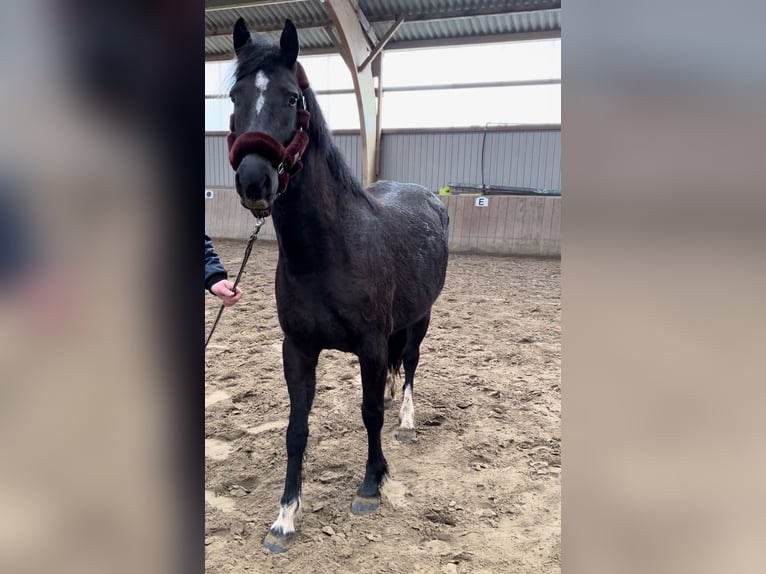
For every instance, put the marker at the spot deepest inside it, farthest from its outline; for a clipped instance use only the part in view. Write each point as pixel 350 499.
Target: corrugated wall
pixel 218 172
pixel 518 158
pixel 509 225
pixel 351 147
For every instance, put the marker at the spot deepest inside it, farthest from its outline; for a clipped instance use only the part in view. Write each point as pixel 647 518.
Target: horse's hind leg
pixel 396 343
pixel 372 360
pixel 410 357
pixel 300 374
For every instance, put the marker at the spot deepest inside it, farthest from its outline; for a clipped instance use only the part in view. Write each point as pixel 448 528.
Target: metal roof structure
pixel 411 23
pixel 361 30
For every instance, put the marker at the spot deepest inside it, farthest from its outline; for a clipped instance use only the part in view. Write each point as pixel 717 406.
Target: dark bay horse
pixel 358 270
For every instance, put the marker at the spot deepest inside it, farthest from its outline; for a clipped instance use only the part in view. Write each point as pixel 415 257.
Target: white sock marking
pixel 261 84
pixel 285 522
pixel 407 413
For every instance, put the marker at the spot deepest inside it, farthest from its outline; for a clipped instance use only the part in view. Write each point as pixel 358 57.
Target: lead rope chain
pixel 253 236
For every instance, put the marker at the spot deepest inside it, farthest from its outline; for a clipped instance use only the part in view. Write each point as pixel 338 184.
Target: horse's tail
pixel 396 343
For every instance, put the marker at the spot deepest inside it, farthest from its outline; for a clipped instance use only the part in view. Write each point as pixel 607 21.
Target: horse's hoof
pixel 365 505
pixel 278 543
pixel 405 435
pixel 388 402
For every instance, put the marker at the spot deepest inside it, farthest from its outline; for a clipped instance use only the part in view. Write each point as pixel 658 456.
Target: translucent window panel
pixel 219 77
pixel 217 112
pixel 327 72
pixel 340 111
pixel 531 60
pixel 472 107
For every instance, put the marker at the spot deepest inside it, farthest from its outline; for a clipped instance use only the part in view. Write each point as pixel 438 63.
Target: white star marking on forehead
pixel 261 84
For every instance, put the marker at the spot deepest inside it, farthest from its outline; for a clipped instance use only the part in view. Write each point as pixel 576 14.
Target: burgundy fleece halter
pixel 286 160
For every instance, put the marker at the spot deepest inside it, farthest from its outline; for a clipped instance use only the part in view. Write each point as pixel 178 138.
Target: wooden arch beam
pixel 382 43
pixel 356 47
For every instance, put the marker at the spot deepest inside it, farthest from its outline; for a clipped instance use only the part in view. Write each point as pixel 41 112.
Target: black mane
pixel 320 138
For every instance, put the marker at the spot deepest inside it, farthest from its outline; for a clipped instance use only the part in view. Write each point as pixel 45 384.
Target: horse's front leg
pixel 300 374
pixel 373 362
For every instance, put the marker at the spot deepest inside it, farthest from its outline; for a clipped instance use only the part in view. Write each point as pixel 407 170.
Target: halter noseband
pixel 286 160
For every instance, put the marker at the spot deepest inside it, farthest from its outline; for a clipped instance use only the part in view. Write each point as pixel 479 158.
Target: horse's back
pixel 409 199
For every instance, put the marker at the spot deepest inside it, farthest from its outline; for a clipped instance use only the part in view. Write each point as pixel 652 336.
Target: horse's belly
pixel 321 327
pixel 420 280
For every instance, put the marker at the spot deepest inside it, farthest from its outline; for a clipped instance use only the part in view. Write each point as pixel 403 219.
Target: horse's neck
pixel 309 216
pixel 315 193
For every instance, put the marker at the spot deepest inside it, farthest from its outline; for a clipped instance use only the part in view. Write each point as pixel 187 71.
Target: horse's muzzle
pixel 256 181
pixel 258 204
pixel 260 208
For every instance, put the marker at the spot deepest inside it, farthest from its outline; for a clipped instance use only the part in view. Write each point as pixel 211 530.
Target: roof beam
pixel 217 5
pixel 330 31
pixel 222 56
pixel 449 13
pixel 355 48
pixel 372 37
pixel 470 40
pixel 435 43
pixel 388 19
pixel 382 44
pixel 275 27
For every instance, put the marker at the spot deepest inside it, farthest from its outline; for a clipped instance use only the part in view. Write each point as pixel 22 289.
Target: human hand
pixel 224 290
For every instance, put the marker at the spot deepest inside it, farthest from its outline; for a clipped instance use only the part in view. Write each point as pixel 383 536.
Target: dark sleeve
pixel 18 253
pixel 214 270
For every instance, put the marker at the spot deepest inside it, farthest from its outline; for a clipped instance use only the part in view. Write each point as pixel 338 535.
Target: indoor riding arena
pixel 478 490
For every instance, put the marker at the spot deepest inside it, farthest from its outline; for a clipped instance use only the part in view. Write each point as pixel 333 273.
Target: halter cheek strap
pixel 286 160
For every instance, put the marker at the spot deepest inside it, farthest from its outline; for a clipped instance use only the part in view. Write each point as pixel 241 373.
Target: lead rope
pixel 253 236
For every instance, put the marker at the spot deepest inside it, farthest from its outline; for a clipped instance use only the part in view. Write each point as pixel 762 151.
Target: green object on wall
pixel 444 190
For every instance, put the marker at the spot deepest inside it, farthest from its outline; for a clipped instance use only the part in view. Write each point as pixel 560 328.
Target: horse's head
pixel 268 103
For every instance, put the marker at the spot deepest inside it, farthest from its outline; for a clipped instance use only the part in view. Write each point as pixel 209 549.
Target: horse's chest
pixel 326 318
pixel 317 324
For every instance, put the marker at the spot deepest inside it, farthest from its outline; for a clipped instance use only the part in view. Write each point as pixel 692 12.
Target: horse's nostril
pixel 266 183
pixel 254 178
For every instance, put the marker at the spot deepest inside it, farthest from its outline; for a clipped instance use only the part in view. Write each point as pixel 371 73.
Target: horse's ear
pixel 289 44
pixel 241 35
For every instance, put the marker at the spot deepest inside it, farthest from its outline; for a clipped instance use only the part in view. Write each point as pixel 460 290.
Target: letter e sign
pixel 482 201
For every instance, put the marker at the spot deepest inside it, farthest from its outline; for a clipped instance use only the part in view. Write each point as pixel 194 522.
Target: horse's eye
pixel 293 101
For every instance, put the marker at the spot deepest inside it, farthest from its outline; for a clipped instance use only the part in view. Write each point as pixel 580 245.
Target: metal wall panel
pixel 218 172
pixel 513 158
pixel 516 158
pixel 350 146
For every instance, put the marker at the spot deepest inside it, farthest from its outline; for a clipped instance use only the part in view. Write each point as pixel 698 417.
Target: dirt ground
pixel 478 491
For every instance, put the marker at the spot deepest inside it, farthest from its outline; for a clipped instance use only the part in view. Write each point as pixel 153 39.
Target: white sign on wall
pixel 481 201
pixel 209 194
